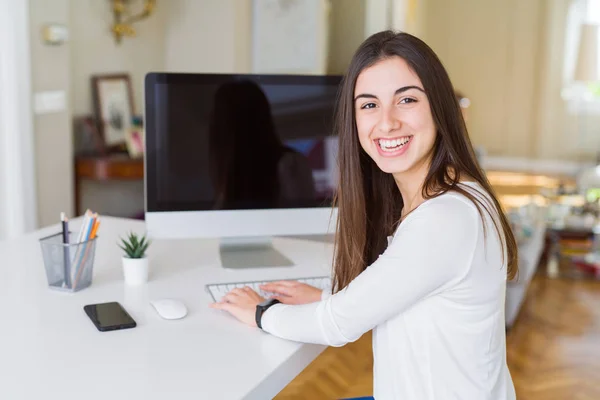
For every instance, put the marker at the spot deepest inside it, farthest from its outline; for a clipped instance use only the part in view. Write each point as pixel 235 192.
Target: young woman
pixel 434 293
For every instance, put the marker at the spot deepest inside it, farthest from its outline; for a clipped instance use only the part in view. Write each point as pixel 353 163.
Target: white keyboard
pixel 218 290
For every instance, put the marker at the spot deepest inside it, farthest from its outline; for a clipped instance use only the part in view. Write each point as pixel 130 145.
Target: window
pixel 593 11
pixel 582 98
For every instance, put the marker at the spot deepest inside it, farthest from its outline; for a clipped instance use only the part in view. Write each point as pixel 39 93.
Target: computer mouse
pixel 169 308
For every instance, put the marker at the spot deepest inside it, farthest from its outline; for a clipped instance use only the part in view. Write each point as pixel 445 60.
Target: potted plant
pixel 135 262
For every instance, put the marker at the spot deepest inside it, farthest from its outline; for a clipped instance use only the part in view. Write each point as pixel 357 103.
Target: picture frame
pixel 87 140
pixel 113 108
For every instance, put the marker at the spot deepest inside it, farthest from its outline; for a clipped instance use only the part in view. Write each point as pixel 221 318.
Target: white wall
pixel 491 51
pixel 378 16
pixel 50 70
pixel 94 51
pixel 182 35
pixel 208 36
pixel 347 32
pixel 508 57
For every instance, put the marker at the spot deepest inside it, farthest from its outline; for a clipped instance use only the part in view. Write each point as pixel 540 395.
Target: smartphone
pixel 109 316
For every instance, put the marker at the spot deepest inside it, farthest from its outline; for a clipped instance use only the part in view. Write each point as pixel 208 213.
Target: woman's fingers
pixel 244 291
pixel 267 286
pixel 241 295
pixel 229 298
pixel 277 288
pixel 289 284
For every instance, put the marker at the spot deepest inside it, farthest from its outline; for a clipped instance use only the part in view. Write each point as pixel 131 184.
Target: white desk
pixel 49 349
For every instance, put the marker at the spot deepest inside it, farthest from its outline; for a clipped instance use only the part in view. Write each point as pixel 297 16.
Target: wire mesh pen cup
pixel 68 266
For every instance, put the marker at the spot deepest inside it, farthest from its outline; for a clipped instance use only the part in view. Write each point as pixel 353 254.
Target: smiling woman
pixel 423 250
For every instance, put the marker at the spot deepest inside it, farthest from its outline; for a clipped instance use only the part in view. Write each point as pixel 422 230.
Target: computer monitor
pixel 240 157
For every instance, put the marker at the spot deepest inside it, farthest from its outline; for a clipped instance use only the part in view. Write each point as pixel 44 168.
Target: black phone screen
pixel 109 316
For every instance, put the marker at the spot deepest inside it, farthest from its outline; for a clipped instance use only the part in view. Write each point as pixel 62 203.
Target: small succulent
pixel 135 246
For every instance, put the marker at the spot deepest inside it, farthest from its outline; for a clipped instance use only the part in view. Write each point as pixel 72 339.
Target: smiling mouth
pixel 393 144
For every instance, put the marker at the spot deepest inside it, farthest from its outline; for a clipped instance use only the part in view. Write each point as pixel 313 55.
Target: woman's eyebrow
pixel 398 91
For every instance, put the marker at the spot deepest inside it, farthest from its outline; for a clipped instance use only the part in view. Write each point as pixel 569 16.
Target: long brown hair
pixel 368 200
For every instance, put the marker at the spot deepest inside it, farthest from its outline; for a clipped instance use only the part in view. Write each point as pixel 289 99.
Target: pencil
pixel 95 228
pixel 67 260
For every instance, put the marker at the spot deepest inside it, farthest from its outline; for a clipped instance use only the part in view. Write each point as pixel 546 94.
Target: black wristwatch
pixel 262 307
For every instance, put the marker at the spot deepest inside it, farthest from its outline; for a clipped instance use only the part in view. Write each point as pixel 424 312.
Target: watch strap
pixel 261 308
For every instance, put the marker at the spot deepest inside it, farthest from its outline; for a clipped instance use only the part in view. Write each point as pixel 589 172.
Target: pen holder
pixel 69 266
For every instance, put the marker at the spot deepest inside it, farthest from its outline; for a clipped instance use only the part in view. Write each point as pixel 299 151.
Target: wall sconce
pixel 54 34
pixel 124 18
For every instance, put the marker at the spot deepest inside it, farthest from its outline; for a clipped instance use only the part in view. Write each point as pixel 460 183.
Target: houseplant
pixel 135 262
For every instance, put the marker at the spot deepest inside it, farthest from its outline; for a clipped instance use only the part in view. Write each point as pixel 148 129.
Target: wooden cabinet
pixel 109 168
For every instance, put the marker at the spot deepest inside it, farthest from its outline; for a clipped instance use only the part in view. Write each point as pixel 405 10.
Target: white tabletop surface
pixel 49 349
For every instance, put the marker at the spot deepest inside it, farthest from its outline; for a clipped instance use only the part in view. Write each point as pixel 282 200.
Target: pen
pixel 67 259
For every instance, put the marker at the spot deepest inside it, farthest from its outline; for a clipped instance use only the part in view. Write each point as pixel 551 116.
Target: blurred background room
pixel 526 74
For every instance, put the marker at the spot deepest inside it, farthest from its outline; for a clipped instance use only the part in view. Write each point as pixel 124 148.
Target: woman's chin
pixel 393 168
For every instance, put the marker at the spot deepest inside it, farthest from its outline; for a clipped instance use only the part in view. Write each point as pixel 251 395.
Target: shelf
pixel 114 167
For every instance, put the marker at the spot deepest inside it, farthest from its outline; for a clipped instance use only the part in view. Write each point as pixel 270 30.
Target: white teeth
pixel 393 144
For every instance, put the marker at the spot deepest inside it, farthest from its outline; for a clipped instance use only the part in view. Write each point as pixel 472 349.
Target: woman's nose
pixel 389 121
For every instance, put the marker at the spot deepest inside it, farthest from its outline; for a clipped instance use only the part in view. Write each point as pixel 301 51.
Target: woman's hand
pixel 292 292
pixel 241 303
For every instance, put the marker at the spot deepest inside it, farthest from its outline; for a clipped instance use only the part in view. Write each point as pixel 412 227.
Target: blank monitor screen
pixel 239 142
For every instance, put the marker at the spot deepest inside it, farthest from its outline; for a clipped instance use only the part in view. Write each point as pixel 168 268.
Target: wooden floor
pixel 553 350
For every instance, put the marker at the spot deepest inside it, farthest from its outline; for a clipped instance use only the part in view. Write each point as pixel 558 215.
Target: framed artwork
pixel 87 139
pixel 289 36
pixel 113 108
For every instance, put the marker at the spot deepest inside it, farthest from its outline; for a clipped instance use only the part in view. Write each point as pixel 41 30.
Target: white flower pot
pixel 135 270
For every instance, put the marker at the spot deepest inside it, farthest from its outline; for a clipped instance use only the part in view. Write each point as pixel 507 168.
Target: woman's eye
pixel 367 106
pixel 407 100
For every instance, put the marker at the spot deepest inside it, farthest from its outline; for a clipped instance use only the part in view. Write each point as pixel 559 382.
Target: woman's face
pixel 393 118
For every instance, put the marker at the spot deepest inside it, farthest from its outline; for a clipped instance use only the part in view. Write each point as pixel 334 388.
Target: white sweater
pixel 435 302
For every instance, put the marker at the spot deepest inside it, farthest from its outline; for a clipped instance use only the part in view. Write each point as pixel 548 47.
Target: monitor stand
pixel 251 252
pixel 324 238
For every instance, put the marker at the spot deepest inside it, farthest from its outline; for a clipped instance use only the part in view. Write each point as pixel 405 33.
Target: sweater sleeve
pixel 431 252
pixel 326 293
